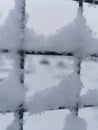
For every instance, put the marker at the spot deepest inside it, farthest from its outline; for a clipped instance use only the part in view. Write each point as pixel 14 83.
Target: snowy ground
pixel 46 75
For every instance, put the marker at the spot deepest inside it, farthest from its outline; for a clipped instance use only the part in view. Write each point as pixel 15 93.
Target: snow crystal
pixel 34 41
pixel 76 37
pixel 11 93
pixel 10 31
pixel 89 98
pixel 73 122
pixel 65 94
pixel 14 125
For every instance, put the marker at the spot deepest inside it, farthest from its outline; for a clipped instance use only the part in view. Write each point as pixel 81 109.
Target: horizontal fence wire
pixel 52 109
pixel 88 1
pixel 54 53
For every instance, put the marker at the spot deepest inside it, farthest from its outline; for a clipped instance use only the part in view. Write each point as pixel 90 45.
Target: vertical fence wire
pixel 20 111
pixel 78 63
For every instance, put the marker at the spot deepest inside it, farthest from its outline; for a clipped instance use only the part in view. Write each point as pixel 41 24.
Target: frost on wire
pixel 77 38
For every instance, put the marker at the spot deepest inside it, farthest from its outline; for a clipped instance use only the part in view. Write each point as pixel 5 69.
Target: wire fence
pixel 22 54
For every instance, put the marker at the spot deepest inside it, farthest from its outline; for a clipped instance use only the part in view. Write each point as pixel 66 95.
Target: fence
pixel 21 52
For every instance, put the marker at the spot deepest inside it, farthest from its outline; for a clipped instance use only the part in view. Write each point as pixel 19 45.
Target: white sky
pixel 47 16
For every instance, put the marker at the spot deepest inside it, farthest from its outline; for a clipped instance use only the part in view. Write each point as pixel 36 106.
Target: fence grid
pixel 23 52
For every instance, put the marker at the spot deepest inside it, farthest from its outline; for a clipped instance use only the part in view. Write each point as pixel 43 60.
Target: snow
pixel 55 120
pixel 5 120
pixel 91 117
pixel 64 94
pixel 73 122
pixel 10 32
pixel 51 120
pixel 77 37
pixel 46 76
pixel 14 125
pixel 11 92
pixel 90 97
pixel 34 41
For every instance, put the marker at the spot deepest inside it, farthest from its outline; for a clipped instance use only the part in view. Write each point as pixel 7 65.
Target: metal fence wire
pixel 22 54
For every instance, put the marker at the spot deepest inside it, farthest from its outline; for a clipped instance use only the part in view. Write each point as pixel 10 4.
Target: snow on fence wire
pixel 69 88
